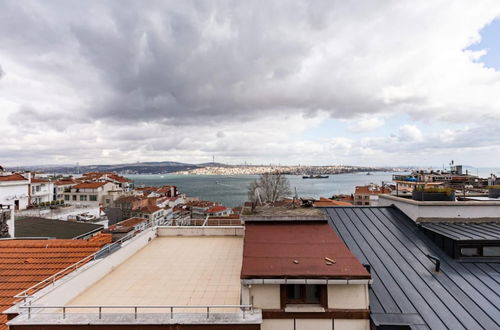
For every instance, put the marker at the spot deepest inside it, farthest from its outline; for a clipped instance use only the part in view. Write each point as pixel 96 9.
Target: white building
pixel 89 193
pixel 42 191
pixel 14 190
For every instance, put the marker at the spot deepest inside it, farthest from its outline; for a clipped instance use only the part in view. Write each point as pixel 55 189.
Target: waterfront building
pixel 121 182
pixel 89 193
pixel 368 195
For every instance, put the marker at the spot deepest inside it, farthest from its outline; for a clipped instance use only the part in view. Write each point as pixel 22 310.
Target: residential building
pixel 282 275
pixel 163 191
pixel 368 195
pixel 121 182
pixel 15 190
pixel 218 211
pixel 42 191
pixel 125 227
pixel 89 193
pixel 302 276
pixel 199 208
pixel 63 186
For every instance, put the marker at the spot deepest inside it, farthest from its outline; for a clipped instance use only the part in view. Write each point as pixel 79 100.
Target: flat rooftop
pixel 173 271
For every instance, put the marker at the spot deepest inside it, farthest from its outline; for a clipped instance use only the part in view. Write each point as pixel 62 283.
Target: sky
pixel 382 83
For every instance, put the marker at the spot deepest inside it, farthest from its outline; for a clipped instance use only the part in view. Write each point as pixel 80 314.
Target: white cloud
pixel 366 125
pixel 410 133
pixel 184 80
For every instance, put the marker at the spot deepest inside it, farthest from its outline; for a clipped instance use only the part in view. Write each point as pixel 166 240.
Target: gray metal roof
pixel 42 227
pixel 406 288
pixel 461 231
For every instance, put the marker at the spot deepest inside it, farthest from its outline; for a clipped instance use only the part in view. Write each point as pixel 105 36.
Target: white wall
pixel 11 191
pixel 266 296
pixel 416 210
pixel 351 296
pixel 75 283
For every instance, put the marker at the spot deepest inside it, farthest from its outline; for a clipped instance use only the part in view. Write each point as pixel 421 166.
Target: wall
pixel 351 296
pixel 201 231
pixel 266 296
pixel 438 211
pixel 19 190
pixel 74 284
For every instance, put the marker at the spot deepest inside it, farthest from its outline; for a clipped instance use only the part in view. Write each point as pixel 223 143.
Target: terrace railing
pixel 51 280
pixel 168 310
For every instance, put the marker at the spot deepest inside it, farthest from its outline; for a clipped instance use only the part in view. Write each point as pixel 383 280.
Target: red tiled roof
pixel 270 250
pixel 89 185
pixel 325 202
pixel 35 180
pixel 12 177
pixel 148 209
pixel 216 209
pixel 64 182
pixel 24 263
pixel 127 223
pixel 201 203
pixel 367 190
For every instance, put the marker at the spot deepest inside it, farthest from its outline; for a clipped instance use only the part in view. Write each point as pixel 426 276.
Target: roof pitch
pixel 406 290
pixel 42 227
pixel 462 231
pixel 12 177
pixel 271 249
pixel 89 185
pixel 24 263
pixel 216 209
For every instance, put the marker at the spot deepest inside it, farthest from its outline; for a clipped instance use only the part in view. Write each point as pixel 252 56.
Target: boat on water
pixel 315 176
pixel 368 173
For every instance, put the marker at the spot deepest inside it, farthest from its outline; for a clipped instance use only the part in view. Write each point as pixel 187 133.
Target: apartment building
pixel 368 195
pixel 302 276
pixel 42 191
pixel 89 193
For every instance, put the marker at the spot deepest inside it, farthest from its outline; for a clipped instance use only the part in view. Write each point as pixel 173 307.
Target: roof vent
pixel 436 261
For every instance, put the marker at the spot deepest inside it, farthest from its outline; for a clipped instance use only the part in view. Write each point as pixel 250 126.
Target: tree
pixel 271 187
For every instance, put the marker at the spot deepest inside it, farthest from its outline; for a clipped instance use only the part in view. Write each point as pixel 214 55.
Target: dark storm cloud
pixel 198 60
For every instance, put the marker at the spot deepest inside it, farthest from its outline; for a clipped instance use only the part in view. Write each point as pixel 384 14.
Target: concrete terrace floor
pixel 173 271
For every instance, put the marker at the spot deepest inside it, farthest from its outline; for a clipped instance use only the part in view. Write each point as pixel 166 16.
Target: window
pixel 480 251
pixel 491 251
pixel 470 251
pixel 303 294
pixel 66 197
pixel 93 198
pixel 83 197
pixel 74 197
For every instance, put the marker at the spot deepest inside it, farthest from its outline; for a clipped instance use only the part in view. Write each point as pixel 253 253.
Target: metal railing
pixel 169 309
pixel 203 222
pixel 106 250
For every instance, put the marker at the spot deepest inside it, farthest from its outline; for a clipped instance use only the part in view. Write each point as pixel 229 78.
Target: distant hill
pixel 129 168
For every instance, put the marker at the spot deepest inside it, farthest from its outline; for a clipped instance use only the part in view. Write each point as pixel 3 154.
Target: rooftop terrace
pixel 173 271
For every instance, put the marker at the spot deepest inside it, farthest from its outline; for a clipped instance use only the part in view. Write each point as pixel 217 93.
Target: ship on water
pixel 315 176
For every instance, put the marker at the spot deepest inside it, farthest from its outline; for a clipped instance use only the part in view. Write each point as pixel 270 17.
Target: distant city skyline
pixel 315 83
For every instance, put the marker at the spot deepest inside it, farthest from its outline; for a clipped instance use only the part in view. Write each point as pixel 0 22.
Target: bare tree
pixel 270 187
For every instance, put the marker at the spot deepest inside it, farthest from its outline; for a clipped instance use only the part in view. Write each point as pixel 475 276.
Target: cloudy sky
pixel 309 82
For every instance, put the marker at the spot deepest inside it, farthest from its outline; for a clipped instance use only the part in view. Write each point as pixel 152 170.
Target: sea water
pixel 231 190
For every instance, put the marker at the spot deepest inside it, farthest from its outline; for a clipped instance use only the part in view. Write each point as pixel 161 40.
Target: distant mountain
pixel 128 168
